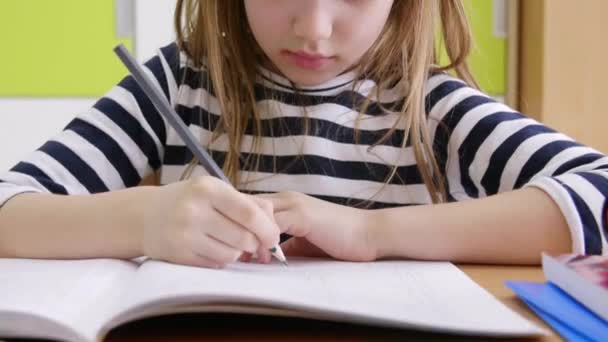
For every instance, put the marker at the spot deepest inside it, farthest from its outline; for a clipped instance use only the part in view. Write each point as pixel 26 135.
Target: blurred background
pixel 542 57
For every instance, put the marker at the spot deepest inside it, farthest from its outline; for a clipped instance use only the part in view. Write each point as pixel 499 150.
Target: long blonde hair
pixel 215 34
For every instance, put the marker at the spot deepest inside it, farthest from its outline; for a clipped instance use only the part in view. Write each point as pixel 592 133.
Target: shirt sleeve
pixel 111 146
pixel 484 148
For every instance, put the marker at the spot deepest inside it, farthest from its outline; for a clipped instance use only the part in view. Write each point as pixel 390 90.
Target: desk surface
pixel 194 327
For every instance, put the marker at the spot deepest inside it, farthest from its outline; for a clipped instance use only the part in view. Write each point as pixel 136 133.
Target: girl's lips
pixel 306 60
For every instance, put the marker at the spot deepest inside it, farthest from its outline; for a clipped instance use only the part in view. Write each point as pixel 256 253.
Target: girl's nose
pixel 314 21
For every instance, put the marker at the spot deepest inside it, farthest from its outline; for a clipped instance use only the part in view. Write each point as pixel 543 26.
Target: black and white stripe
pixel 482 146
pixel 486 148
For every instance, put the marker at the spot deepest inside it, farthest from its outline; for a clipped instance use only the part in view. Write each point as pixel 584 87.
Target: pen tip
pixel 278 253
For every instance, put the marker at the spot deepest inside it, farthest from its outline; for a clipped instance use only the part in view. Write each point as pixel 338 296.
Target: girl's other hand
pixel 206 222
pixel 321 228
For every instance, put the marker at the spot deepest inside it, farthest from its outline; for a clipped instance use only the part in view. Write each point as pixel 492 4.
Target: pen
pixel 165 109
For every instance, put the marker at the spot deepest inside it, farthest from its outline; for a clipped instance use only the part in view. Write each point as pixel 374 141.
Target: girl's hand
pixel 322 228
pixel 206 222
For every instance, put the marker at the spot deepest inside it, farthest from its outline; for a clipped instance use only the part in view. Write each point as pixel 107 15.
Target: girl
pixel 336 125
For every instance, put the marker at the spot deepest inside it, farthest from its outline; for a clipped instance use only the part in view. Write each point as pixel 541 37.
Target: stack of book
pixel 574 300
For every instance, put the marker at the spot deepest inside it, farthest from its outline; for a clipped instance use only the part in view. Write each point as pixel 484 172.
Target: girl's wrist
pixel 144 214
pixel 404 232
pixel 364 221
pixel 378 231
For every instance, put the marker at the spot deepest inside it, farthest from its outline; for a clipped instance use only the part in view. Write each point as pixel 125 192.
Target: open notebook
pixel 82 300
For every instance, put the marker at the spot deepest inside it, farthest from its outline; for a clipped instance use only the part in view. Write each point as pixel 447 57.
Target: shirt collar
pixel 334 86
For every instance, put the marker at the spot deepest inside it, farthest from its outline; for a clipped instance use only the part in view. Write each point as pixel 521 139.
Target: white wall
pixel 26 123
pixel 153 26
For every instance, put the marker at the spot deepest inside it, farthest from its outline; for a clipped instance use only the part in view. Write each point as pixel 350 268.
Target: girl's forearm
pixel 509 228
pixel 82 226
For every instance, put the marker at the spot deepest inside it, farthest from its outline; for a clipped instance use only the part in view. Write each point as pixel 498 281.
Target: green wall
pixel 489 55
pixel 58 48
pixel 488 58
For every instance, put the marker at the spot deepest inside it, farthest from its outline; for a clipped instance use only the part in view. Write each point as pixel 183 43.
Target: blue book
pixel 572 320
pixel 583 277
pixel 574 301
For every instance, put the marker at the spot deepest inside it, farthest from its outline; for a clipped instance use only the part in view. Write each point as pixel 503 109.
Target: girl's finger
pixel 264 256
pixel 208 247
pixel 246 257
pixel 243 210
pixel 266 205
pixel 290 223
pixel 276 199
pixel 231 233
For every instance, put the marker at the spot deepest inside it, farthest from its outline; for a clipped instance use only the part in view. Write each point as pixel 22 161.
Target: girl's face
pixel 312 41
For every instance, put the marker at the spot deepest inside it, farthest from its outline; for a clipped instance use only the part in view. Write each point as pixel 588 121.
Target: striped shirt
pixel 483 147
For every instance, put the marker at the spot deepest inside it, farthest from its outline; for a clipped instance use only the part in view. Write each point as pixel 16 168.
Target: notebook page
pixel 425 295
pixel 75 293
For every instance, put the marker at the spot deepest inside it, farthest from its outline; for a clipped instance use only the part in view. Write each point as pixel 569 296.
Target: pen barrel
pixel 162 105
